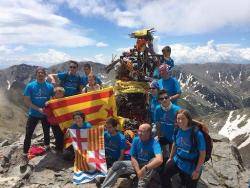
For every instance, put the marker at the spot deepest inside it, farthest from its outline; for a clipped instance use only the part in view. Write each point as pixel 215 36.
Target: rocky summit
pixel 217 93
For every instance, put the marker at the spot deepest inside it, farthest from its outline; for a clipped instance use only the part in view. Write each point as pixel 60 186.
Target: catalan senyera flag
pixel 96 105
pixel 89 149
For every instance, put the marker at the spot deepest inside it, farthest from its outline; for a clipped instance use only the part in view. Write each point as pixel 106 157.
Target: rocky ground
pixel 50 170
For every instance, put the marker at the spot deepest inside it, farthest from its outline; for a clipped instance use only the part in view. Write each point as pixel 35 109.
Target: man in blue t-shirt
pixel 166 51
pixel 36 94
pixel 87 71
pixel 70 81
pixel 115 142
pixel 169 83
pixel 145 158
pixel 164 117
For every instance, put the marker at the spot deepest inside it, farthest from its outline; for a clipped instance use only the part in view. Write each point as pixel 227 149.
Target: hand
pixel 195 175
pixel 40 110
pixel 141 172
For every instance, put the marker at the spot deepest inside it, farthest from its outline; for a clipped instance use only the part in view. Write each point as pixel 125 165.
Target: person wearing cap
pixel 169 83
pixel 70 80
pixel 36 94
pixel 153 99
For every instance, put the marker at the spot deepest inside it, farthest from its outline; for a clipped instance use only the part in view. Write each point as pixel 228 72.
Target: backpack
pixel 208 140
pixel 62 83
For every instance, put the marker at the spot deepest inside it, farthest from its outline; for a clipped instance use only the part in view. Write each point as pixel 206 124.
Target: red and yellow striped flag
pixel 96 105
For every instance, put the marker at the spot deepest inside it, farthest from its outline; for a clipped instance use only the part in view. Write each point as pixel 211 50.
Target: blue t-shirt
pixel 114 145
pixel 169 62
pixel 166 120
pixel 39 94
pixel 85 80
pixel 153 103
pixel 71 83
pixel 143 152
pixel 85 125
pixel 171 85
pixel 183 145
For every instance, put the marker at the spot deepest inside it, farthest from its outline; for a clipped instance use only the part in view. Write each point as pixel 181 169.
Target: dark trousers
pixel 30 127
pixel 170 170
pixel 59 137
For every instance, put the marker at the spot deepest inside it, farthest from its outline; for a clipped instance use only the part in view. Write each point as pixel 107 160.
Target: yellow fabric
pixel 130 87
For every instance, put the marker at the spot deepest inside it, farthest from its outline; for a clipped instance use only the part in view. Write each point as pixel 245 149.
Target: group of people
pixel 45 87
pixel 162 146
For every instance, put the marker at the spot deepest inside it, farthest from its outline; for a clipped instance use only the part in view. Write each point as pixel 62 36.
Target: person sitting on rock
pixel 164 117
pixel 145 158
pixel 70 81
pixel 92 85
pixel 36 94
pixel 183 159
pixel 114 142
pixel 169 83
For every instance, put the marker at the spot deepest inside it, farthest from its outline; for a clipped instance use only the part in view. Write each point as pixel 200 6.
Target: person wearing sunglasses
pixel 169 83
pixel 70 80
pixel 164 117
pixel 146 157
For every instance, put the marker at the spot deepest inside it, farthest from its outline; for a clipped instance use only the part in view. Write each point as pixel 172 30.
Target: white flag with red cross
pixel 89 149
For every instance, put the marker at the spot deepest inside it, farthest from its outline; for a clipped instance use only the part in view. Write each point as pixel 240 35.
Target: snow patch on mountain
pixel 233 128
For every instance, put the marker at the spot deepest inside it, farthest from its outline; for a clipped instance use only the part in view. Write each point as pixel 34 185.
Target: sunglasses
pixel 152 88
pixel 162 98
pixel 72 67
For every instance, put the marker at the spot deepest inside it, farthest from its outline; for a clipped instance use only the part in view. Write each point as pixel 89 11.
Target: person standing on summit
pixel 36 94
pixel 70 81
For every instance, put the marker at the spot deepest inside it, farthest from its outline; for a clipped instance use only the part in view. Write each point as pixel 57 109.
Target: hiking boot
pixel 24 162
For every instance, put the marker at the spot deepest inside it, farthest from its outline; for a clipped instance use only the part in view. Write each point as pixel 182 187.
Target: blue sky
pixel 52 31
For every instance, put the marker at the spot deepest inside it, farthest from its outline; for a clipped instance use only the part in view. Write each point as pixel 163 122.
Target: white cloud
pixel 174 17
pixel 36 23
pixel 46 59
pixel 211 52
pixel 101 44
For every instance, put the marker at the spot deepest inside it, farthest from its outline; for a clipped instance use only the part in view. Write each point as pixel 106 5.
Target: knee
pixel 118 166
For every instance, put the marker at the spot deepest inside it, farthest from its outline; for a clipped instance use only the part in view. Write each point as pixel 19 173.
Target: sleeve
pixel 133 149
pixel 122 142
pixel 61 75
pixel 160 84
pixel 156 147
pixel 98 80
pixel 171 63
pixel 177 86
pixel 27 91
pixel 84 81
pixel 201 141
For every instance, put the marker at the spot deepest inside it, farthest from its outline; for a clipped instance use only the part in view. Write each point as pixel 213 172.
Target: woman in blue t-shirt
pixel 184 159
